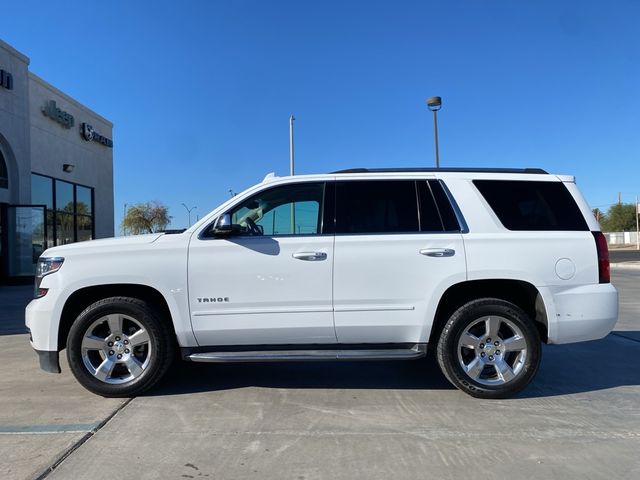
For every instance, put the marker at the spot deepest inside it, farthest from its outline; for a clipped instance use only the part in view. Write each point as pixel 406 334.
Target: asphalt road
pixel 579 419
pixel 618 256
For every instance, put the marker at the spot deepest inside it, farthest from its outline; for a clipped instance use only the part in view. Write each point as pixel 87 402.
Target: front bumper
pixel 39 316
pixel 49 361
pixel 579 314
pixel 39 319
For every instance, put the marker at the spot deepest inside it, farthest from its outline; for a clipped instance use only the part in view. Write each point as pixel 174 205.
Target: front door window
pixel 287 210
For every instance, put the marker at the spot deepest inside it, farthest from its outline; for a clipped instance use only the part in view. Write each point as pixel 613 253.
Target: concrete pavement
pixel 579 419
pixel 13 300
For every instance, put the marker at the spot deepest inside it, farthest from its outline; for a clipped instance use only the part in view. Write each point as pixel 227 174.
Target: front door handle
pixel 438 252
pixel 310 256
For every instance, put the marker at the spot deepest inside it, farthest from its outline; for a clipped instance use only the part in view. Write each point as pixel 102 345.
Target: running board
pixel 418 351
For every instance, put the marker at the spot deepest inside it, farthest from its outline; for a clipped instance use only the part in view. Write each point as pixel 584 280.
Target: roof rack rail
pixel 446 169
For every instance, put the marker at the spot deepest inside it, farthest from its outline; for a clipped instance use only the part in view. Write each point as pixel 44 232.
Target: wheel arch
pixel 83 297
pixel 521 293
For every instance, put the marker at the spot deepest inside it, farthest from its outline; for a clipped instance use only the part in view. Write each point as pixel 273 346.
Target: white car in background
pixel 479 265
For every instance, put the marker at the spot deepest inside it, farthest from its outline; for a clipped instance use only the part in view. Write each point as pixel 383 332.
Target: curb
pixel 626 265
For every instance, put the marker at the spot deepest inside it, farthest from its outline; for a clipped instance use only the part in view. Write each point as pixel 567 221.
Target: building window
pixel 4 173
pixel 84 213
pixel 42 194
pixel 69 209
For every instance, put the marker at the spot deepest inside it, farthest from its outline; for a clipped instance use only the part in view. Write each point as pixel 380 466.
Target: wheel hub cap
pixel 119 347
pixel 116 349
pixel 492 350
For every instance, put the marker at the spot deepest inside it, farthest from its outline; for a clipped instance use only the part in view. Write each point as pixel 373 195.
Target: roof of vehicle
pixel 448 169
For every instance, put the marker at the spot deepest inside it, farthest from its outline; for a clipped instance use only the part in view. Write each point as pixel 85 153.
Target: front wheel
pixel 119 347
pixel 489 348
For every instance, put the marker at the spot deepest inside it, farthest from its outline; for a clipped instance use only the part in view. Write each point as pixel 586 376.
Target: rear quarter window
pixel 527 205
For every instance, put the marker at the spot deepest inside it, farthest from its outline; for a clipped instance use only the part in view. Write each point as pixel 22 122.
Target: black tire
pixel 489 383
pixel 153 357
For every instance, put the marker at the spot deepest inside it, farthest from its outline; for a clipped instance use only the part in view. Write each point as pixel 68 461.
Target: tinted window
pixel 430 220
pixel 449 219
pixel 84 203
pixel 377 206
pixel 522 205
pixel 287 210
pixel 64 197
pixel 42 191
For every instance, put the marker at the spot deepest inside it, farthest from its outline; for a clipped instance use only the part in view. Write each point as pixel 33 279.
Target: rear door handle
pixel 438 252
pixel 310 256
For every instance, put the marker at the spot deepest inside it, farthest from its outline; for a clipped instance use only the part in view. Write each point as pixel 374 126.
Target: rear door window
pixel 448 216
pixel 376 206
pixel 525 205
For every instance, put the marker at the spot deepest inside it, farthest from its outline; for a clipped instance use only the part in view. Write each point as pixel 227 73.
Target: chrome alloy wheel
pixel 492 350
pixel 116 349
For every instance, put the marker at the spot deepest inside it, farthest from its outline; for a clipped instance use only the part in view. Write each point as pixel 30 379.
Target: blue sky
pixel 200 91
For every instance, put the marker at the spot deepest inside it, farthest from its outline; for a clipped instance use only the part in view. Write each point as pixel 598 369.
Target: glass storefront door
pixel 23 232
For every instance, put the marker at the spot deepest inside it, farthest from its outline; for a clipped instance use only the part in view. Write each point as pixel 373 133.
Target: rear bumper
pixel 579 314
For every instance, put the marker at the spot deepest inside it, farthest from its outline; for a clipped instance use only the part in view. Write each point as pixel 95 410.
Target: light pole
pixel 435 104
pixel 637 224
pixel 291 119
pixel 291 171
pixel 189 210
pixel 124 229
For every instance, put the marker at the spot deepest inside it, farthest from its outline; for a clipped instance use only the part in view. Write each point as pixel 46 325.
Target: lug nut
pixel 111 352
pixel 110 344
pixel 497 352
pixel 119 356
pixel 496 343
pixel 482 354
pixel 126 342
pixel 126 350
pixel 482 345
pixel 488 340
pixel 117 339
pixel 490 357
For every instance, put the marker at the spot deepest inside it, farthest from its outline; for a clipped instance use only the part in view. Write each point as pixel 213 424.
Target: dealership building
pixel 56 168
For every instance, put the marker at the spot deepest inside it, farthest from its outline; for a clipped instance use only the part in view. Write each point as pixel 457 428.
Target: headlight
pixel 45 267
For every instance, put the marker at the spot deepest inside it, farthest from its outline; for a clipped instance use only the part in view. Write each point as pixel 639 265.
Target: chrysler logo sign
pixel 89 134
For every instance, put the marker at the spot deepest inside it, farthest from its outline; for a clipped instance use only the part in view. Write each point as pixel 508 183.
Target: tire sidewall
pixel 128 307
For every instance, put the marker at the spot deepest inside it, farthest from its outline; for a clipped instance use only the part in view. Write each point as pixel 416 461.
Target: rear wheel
pixel 489 348
pixel 119 347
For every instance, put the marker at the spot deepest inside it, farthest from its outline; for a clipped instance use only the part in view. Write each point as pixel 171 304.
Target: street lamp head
pixel 434 103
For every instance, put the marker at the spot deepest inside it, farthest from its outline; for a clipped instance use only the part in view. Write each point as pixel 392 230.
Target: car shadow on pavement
pixel 565 369
pixel 187 377
pixel 588 366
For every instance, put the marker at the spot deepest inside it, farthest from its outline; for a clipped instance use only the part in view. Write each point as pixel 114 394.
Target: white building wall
pixel 53 145
pixel 14 126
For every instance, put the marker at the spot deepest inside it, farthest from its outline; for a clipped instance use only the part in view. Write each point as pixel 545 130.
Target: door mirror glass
pixel 223 225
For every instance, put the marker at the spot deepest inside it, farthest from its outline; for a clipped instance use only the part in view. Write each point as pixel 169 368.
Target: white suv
pixel 478 265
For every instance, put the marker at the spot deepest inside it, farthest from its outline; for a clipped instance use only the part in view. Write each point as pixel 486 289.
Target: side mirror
pixel 223 225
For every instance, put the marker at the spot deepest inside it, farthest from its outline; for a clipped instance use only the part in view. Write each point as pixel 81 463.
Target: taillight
pixel 604 272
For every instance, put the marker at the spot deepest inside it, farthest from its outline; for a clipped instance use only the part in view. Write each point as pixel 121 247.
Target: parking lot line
pixel 44 429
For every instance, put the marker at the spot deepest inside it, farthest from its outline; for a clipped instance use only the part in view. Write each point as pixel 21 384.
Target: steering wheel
pixel 254 229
